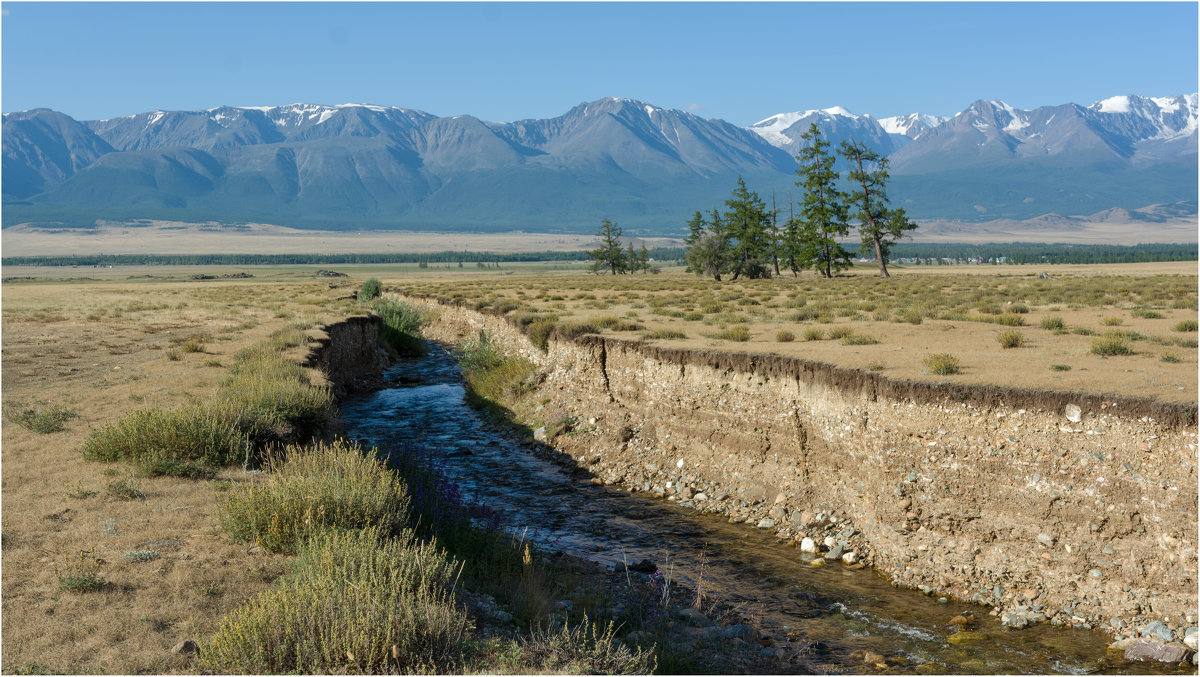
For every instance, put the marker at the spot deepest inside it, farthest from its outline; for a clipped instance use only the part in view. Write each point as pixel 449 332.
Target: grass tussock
pixel 1010 339
pixel 1111 344
pixel 43 420
pixel 740 333
pixel 586 649
pixel 1053 323
pixel 371 289
pixel 1185 325
pixel 152 437
pixel 314 488
pixel 664 334
pixel 942 364
pixel 358 602
pixel 784 336
pixel 401 326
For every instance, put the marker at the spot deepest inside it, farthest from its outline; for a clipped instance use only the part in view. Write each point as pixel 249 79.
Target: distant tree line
pixel 654 253
pixel 1021 253
pixel 747 239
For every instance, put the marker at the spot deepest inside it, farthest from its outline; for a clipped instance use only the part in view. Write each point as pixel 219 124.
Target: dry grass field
pixel 1122 329
pixel 105 570
pixel 76 355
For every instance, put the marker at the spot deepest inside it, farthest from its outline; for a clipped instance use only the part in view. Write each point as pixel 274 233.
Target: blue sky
pixel 741 62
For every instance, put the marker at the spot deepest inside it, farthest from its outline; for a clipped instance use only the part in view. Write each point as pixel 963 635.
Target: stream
pixel 835 608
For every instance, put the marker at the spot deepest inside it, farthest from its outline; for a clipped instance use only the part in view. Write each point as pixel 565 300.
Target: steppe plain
pixel 99 342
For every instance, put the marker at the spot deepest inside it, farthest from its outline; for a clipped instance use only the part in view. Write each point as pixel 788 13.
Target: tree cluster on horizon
pixel 612 258
pixel 746 240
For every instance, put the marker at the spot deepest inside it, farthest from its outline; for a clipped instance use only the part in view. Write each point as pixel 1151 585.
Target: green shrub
pixel 912 316
pixel 313 488
pixel 1147 314
pixel 127 489
pixel 1083 331
pixel 370 290
pixel 1009 320
pixel 1185 325
pixel 274 398
pixel 739 333
pixel 1053 323
pixel 813 334
pixel 358 603
pixel 859 340
pixel 837 333
pixel 539 332
pixel 1110 344
pixel 1010 339
pixel 1060 367
pixel 1019 308
pixel 1112 321
pixel 668 334
pixel 943 364
pixel 584 650
pixel 615 323
pixel 571 329
pixel 148 437
pixel 784 336
pixel 1170 358
pixel 400 326
pixel 39 420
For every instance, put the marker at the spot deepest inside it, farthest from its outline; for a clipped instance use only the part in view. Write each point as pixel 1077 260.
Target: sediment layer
pixel 982 494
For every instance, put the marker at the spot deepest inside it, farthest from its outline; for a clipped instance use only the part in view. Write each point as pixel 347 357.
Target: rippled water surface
pixel 843 609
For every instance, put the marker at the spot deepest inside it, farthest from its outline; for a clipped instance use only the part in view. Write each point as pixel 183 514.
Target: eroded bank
pixel 986 495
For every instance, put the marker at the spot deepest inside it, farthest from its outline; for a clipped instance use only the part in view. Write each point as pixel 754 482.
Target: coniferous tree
pixel 792 248
pixel 696 228
pixel 823 214
pixel 608 255
pixel 879 226
pixel 746 223
pixel 708 246
pixel 643 260
pixel 630 260
pixel 774 234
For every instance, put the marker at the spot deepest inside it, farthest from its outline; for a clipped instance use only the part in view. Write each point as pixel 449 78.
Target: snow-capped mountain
pixel 357 165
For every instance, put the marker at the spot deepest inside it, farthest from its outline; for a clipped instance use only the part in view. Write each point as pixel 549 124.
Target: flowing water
pixel 832 608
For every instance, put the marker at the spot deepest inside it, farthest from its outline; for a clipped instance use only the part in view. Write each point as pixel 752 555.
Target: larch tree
pixel 608 255
pixel 823 213
pixel 879 225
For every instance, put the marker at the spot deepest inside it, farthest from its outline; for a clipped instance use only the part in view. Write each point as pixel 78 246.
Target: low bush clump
pixel 314 488
pixel 784 336
pixel 358 602
pixel 401 325
pixel 1186 325
pixel 1170 358
pixel 1010 339
pixel 1147 314
pixel 666 334
pixel 739 333
pixel 539 331
pixel 274 398
pixel 38 419
pixel 1019 308
pixel 943 364
pixel 153 437
pixel 616 323
pixel 584 650
pixel 1053 323
pixel 569 330
pixel 1110 344
pixel 813 334
pixel 1009 320
pixel 838 333
pixel 859 340
pixel 1060 367
pixel 370 290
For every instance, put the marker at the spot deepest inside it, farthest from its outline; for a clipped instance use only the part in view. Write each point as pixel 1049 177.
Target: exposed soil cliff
pixel 1014 499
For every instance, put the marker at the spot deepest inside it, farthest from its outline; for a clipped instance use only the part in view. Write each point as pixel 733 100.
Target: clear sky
pixel 741 62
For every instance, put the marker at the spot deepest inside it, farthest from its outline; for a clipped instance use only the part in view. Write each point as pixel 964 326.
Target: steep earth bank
pixel 1068 508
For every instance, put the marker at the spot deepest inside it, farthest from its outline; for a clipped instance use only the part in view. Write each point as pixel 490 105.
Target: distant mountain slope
pixel 360 165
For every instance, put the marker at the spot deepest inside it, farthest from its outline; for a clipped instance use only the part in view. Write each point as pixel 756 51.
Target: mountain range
pixel 357 166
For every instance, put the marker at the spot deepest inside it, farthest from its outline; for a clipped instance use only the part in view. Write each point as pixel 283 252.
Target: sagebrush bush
pixel 400 326
pixel 1112 321
pixel 539 331
pixel 359 602
pixel 275 398
pixel 1052 323
pixel 838 333
pixel 1010 339
pixel 813 334
pixel 370 289
pixel 312 488
pixel 1009 320
pixel 738 333
pixel 665 334
pixel 943 364
pixel 148 437
pixel 859 340
pixel 1110 344
pixel 584 650
pixel 44 420
pixel 1186 325
pixel 784 336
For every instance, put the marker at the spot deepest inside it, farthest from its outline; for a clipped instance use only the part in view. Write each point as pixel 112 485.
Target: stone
pixel 766 524
pixel 960 620
pixel 1046 540
pixel 186 648
pixel 808 545
pixel 1147 649
pixel 965 637
pixel 1158 630
pixel 743 632
pixel 700 497
pixel 818 562
pixel 835 553
pixel 1073 413
pixel 850 558
pixel 1015 619
pixel 685 493
pixel 693 617
pixel 540 434
pixel 830 541
pixel 643 567
pixel 1189 638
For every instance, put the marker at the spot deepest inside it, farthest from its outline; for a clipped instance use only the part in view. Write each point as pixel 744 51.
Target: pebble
pixel 766 524
pixel 808 545
pixel 835 553
pixel 1158 630
pixel 850 558
pixel 186 648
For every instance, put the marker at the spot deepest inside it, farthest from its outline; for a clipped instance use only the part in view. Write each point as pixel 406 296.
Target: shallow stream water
pixel 834 608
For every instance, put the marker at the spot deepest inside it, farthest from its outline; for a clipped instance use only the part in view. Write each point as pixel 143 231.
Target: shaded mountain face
pixel 357 165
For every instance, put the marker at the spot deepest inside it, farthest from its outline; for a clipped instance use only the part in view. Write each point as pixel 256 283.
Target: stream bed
pixel 839 609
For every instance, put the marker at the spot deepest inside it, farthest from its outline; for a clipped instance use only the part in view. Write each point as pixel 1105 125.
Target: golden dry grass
pixel 862 307
pixel 99 348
